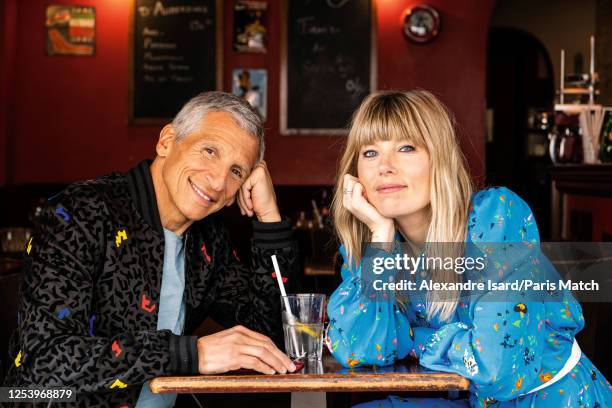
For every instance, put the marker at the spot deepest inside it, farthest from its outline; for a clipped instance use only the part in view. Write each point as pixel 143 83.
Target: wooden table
pixel 316 378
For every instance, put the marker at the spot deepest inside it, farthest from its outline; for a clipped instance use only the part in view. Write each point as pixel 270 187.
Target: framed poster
pixel 71 30
pixel 252 85
pixel 175 53
pixel 250 26
pixel 328 63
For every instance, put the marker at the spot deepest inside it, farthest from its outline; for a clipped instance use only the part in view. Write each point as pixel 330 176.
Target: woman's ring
pixel 347 191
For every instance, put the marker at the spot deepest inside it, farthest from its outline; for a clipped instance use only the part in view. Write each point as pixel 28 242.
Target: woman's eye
pixel 369 153
pixel 208 151
pixel 237 173
pixel 406 148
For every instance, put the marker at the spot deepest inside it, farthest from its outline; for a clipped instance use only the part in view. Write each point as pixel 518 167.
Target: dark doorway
pixel 520 98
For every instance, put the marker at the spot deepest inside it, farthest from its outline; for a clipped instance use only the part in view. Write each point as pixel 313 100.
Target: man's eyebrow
pixel 203 143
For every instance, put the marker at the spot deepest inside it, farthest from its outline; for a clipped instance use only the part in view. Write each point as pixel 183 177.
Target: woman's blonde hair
pixel 417 116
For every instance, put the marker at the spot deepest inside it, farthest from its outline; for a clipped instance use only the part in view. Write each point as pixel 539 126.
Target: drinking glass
pixel 303 318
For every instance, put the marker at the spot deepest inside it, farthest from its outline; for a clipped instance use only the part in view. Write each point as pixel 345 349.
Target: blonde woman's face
pixel 395 176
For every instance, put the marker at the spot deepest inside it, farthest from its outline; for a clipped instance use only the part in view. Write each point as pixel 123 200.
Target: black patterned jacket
pixel 92 280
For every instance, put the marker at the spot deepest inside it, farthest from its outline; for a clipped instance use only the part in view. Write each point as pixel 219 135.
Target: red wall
pixel 453 66
pixel 8 13
pixel 68 117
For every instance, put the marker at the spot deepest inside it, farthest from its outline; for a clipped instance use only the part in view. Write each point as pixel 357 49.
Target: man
pixel 123 268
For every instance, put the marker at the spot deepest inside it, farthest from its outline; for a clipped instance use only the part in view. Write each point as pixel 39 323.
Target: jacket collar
pixel 140 185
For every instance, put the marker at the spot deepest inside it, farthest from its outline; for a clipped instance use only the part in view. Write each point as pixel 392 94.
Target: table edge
pixel 437 381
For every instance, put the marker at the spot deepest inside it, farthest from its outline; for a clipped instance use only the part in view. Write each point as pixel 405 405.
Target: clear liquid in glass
pixel 306 337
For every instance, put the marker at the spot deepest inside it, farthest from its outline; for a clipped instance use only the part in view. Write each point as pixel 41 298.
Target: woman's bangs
pixel 384 126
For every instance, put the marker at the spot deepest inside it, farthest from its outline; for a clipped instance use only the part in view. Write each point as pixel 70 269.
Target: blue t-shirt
pixel 171 315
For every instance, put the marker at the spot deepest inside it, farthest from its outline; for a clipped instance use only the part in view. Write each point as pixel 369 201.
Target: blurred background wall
pixel 65 118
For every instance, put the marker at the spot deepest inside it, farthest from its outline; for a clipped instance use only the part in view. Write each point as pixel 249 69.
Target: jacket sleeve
pixel 56 344
pixel 362 330
pixel 499 347
pixel 250 296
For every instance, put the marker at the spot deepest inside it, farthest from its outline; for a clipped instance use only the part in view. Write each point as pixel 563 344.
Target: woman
pixel 403 177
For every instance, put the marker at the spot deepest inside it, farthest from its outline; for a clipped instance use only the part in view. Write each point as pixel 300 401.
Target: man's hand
pixel 354 199
pixel 240 347
pixel 256 196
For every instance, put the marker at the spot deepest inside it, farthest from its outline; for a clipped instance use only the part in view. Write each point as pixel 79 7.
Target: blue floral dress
pixel 504 350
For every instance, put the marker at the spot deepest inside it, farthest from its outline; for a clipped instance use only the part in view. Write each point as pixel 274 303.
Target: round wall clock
pixel 421 23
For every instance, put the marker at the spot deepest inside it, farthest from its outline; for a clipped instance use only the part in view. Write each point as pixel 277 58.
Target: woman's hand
pixel 355 200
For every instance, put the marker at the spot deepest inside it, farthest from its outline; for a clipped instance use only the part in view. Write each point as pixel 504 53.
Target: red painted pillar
pixel 8 22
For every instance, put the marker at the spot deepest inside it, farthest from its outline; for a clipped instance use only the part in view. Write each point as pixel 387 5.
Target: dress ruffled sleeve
pixel 365 330
pixel 499 347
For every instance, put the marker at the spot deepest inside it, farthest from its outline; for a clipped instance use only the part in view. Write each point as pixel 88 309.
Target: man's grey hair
pixel 189 119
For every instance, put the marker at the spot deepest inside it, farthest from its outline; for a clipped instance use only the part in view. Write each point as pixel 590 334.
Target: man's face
pixel 204 171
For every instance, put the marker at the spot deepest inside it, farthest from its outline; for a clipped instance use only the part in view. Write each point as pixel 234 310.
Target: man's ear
pixel 167 138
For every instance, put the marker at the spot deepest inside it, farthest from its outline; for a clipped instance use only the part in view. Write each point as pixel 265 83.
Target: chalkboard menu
pixel 175 54
pixel 327 63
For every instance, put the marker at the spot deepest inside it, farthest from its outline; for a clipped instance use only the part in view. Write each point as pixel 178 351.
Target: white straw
pixel 279 279
pixel 288 312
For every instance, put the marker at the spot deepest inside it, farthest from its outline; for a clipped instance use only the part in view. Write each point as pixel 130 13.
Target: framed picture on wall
pixel 252 84
pixel 71 30
pixel 250 25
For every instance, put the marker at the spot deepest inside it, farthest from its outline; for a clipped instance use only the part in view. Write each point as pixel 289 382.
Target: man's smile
pixel 204 198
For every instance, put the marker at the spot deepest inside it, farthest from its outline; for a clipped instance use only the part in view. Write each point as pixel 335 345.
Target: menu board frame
pixel 285 130
pixel 152 121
